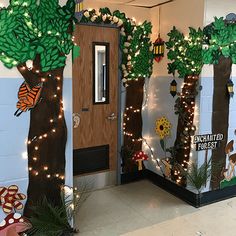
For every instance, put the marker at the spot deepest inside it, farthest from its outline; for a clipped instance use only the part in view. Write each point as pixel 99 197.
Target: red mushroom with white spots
pixel 139 157
pixel 14 224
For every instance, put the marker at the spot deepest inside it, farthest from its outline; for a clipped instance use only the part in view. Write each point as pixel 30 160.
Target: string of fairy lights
pixel 191 120
pixel 36 140
pixel 44 136
pixel 126 118
pixel 188 105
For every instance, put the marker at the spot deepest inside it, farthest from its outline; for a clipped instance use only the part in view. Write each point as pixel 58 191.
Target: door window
pixel 101 73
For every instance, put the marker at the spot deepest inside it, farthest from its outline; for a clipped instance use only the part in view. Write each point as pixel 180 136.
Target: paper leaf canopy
pixel 28 28
pixel 220 38
pixel 185 52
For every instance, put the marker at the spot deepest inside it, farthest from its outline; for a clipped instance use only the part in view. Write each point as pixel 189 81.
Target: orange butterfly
pixel 28 98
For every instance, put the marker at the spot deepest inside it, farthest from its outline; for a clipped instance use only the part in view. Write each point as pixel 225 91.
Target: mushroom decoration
pixel 139 157
pixel 14 224
pixel 10 199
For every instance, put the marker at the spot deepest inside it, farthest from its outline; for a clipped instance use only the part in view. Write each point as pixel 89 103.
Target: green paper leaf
pixel 40 49
pixel 226 51
pixel 76 52
pixel 162 142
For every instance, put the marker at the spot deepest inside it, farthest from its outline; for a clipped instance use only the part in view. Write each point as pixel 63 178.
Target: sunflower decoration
pixel 163 127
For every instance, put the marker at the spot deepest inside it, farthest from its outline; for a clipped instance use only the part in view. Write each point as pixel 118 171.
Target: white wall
pixel 214 8
pixel 182 14
pixel 14 131
pixel 161 103
pixel 140 14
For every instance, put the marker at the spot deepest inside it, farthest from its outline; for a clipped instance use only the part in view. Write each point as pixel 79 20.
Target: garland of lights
pixel 36 140
pixel 185 54
pixel 140 139
pixel 135 42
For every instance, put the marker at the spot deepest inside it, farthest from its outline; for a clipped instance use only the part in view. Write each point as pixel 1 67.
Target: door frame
pixel 119 100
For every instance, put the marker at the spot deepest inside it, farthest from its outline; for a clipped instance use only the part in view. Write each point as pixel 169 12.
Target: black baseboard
pixel 133 176
pixel 196 200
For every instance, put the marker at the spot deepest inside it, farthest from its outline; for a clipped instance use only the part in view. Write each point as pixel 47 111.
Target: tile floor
pixel 143 209
pixel 118 210
pixel 213 220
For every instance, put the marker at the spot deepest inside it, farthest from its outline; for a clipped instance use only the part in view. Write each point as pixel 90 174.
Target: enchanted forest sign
pixel 207 141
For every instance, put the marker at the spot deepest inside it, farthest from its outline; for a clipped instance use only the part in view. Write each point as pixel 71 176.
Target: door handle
pixel 76 120
pixel 112 116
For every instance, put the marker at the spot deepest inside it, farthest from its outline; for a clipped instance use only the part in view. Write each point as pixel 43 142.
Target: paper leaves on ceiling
pixel 29 28
pixel 136 44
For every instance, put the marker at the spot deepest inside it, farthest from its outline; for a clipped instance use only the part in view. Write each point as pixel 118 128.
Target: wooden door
pixel 98 125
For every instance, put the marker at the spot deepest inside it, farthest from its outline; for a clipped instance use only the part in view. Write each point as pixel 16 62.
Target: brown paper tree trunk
pixel 220 117
pixel 134 99
pixel 47 136
pixel 183 137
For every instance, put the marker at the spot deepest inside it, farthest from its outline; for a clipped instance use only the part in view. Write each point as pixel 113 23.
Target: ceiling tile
pixel 145 3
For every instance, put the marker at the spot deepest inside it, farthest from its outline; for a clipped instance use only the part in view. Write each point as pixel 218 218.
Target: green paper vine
pixel 135 42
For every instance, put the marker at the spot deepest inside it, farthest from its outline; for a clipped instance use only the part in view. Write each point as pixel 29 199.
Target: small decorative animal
pixel 27 98
pixel 229 173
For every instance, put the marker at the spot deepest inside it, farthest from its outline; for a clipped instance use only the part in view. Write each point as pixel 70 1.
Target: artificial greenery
pixel 197 176
pixel 185 53
pixel 219 39
pixel 135 42
pixel 51 220
pixel 30 27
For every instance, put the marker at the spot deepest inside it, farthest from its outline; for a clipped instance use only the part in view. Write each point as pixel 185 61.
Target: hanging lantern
pixel 173 88
pixel 230 86
pixel 79 9
pixel 158 49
